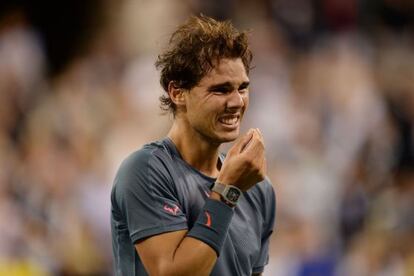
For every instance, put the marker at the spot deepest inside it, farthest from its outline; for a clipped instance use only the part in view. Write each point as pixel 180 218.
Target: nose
pixel 236 99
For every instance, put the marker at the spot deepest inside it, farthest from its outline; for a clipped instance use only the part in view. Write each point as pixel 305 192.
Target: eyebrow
pixel 227 85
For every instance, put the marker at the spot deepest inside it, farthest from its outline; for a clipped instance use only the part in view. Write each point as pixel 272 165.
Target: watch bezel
pixel 232 189
pixel 224 190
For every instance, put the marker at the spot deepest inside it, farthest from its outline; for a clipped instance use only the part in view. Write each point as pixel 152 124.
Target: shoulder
pixel 148 152
pixel 150 155
pixel 144 167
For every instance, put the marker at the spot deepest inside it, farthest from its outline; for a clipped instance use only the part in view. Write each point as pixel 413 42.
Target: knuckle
pixel 261 144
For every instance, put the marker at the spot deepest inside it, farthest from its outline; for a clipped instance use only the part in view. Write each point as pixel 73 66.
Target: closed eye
pixel 221 88
pixel 227 87
pixel 244 85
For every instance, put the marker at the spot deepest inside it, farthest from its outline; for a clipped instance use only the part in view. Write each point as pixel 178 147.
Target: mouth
pixel 230 121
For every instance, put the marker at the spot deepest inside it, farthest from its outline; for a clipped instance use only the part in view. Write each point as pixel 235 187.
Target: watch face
pixel 233 194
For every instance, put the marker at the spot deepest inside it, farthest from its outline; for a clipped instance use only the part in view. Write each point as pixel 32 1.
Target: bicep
pixel 158 251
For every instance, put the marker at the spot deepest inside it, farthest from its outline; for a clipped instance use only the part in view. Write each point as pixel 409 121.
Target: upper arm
pixel 144 194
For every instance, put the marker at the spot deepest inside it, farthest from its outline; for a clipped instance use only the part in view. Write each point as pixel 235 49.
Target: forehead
pixel 226 70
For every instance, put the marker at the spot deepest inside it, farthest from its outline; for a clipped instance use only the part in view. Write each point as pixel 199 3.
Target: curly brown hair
pixel 193 50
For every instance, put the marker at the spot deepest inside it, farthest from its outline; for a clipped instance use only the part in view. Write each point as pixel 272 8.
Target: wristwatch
pixel 229 194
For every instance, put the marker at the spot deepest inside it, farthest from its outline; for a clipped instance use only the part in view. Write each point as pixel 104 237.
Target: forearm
pixel 188 252
pixel 193 254
pixel 191 257
pixel 175 253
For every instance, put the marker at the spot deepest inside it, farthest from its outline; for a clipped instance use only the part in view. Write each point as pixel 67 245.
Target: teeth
pixel 229 121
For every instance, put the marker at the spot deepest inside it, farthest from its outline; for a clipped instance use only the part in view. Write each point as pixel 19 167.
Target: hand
pixel 245 163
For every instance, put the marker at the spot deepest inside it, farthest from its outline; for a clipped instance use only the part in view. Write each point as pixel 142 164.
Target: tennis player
pixel 179 206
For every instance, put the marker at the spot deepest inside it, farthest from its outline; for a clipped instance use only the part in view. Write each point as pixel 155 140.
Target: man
pixel 178 206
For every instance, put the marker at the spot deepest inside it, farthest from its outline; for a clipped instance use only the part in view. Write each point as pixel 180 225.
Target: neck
pixel 194 148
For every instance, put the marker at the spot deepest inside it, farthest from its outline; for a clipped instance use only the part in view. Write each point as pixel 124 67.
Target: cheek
pixel 202 113
pixel 246 101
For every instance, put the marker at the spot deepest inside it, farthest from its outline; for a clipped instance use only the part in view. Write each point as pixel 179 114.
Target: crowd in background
pixel 332 90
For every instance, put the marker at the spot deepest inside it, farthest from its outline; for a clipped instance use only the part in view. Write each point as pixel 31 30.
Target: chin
pixel 228 137
pixel 220 136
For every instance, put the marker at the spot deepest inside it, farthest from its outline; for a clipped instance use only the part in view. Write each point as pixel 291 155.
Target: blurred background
pixel 332 91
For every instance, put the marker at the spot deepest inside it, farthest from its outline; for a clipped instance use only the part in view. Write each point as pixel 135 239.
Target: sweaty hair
pixel 193 50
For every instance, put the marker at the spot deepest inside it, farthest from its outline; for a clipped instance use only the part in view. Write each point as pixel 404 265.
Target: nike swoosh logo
pixel 208 223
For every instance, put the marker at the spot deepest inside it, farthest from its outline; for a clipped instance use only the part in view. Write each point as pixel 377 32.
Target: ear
pixel 176 94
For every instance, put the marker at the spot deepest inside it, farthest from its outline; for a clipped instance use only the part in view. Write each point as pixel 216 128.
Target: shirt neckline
pixel 170 144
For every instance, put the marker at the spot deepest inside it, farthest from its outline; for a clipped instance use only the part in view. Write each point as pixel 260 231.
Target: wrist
pixel 212 224
pixel 223 181
pixel 215 196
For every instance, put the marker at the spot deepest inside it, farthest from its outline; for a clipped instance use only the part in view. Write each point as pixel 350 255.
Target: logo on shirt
pixel 208 222
pixel 172 209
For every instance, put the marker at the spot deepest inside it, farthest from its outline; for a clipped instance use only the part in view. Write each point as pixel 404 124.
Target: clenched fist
pixel 245 164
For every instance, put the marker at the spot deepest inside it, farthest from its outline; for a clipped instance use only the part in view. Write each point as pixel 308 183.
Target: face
pixel 215 107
